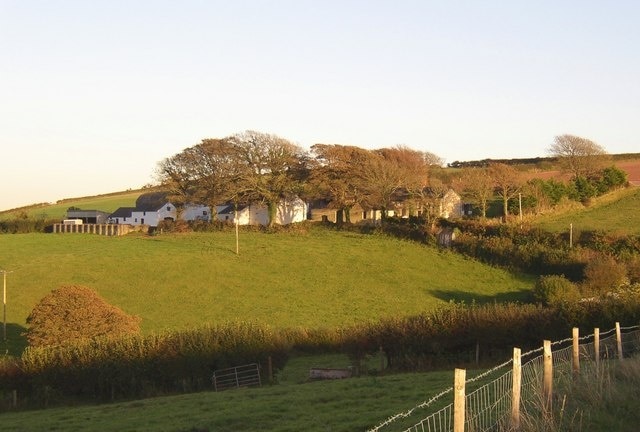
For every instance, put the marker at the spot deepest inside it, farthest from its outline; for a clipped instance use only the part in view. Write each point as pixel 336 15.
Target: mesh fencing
pixel 488 405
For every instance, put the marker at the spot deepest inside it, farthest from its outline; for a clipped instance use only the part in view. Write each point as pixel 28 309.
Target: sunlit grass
pixel 616 213
pixel 319 278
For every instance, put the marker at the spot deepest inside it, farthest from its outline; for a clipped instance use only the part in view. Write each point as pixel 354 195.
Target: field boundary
pixel 498 403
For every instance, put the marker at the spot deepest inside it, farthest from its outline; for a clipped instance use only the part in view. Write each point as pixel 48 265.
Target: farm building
pixel 88 216
pixel 153 208
pixel 289 211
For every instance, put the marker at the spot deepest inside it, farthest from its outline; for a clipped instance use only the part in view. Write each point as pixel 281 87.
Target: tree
pixel 270 168
pixel 72 313
pixel 477 185
pixel 507 181
pixel 336 173
pixel 579 156
pixel 206 173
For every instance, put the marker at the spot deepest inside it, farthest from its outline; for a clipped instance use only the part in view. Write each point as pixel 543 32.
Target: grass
pixel 108 203
pixel 616 213
pixel 601 399
pixel 317 278
pixel 292 405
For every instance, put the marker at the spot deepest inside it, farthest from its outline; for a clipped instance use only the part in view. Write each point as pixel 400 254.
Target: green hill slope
pixel 316 278
pixel 108 203
pixel 618 212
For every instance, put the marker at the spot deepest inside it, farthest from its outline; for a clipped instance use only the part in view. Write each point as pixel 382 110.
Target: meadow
pixel 312 277
pixel 293 404
pixel 616 213
pixel 107 203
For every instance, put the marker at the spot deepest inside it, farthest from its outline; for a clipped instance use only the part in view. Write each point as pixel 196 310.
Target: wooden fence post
pixel 596 345
pixel 515 389
pixel 459 400
pixel 619 340
pixel 548 374
pixel 576 351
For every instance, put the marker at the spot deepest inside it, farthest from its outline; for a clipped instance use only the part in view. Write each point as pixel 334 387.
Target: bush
pixel 72 313
pixel 554 289
pixel 603 275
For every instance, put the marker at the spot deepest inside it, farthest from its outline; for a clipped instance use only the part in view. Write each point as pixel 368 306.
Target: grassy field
pixel 617 212
pixel 315 278
pixel 291 405
pixel 108 203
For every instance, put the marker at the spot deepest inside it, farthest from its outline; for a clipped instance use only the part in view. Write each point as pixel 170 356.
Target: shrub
pixel 554 289
pixel 72 313
pixel 604 274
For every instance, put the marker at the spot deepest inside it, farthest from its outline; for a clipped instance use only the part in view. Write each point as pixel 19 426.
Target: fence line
pixel 493 404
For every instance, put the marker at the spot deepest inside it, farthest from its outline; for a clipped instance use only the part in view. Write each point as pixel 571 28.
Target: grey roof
pixel 151 201
pixel 122 212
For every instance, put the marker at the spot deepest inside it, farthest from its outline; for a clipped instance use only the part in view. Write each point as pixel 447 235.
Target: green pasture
pixel 107 203
pixel 618 213
pixel 313 278
pixel 293 404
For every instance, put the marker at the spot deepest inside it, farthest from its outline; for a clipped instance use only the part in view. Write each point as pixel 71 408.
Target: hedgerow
pixel 175 362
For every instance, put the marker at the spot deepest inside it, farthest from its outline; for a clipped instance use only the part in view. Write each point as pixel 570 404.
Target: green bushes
pixel 554 290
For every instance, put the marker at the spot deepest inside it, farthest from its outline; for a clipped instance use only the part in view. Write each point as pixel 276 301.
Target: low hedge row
pixel 135 367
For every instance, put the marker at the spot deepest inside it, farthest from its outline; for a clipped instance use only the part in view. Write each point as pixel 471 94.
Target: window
pixel 204 212
pixel 168 208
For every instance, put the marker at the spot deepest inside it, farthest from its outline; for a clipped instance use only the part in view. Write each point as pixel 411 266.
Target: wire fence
pixel 490 405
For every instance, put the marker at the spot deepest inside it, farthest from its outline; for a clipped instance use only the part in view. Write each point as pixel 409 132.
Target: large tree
pixel 507 182
pixel 476 185
pixel 270 168
pixel 205 173
pixel 579 156
pixel 72 313
pixel 336 176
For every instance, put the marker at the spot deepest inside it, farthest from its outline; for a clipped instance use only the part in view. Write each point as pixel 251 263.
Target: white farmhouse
pixel 153 208
pixel 289 211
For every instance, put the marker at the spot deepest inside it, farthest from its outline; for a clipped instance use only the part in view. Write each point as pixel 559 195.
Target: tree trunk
pixel 272 209
pixel 347 214
pixel 505 208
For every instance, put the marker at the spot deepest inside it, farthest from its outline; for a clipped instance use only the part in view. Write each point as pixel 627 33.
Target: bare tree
pixel 335 175
pixel 579 156
pixel 507 181
pixel 476 185
pixel 270 168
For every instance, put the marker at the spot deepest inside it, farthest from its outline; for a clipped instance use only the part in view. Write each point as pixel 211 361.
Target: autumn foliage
pixel 72 313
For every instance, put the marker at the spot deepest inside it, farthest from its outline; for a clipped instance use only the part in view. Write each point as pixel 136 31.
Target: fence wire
pixel 489 406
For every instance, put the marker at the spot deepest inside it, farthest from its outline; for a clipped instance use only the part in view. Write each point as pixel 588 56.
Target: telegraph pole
pixel 4 304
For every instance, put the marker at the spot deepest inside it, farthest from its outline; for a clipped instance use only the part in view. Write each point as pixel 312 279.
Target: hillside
pixel 313 278
pixel 618 212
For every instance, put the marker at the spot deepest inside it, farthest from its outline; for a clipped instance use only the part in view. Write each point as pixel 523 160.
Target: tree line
pixel 252 167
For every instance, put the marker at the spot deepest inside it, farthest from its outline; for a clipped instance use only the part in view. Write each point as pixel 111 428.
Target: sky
pixel 94 94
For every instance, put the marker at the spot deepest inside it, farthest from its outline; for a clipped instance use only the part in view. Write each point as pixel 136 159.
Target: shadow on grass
pixel 523 296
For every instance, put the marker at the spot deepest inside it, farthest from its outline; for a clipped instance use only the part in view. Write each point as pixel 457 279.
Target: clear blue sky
pixel 93 94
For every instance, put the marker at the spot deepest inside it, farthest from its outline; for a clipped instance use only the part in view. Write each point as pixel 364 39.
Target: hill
pixel 312 278
pixel 617 212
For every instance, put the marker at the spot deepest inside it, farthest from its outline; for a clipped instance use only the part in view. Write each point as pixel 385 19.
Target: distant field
pixel 320 278
pixel 108 203
pixel 618 213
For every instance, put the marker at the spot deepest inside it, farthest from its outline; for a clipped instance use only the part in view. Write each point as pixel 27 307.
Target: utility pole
pixel 4 304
